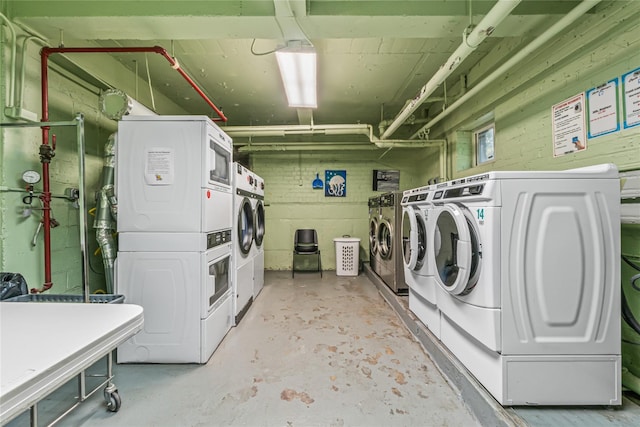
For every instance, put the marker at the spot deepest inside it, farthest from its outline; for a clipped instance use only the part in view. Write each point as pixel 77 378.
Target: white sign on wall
pixel 631 101
pixel 568 126
pixel 602 102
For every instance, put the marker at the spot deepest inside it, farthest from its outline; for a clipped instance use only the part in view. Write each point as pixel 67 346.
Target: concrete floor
pixel 310 352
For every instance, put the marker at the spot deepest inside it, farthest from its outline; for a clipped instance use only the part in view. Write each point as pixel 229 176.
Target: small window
pixel 484 144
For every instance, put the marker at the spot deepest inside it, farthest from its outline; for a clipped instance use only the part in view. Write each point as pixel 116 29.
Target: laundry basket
pixel 347 255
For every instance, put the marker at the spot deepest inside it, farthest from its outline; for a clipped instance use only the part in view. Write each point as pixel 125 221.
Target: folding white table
pixel 44 345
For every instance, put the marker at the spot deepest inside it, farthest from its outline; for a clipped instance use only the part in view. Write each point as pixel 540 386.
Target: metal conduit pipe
pixel 281 131
pixel 106 212
pixel 296 147
pixel 555 29
pixel 12 65
pixel 485 28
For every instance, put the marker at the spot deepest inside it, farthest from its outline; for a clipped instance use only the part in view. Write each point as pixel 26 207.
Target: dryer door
pixel 259 223
pixel 457 249
pixel 373 236
pixel 414 238
pixel 245 226
pixel 385 239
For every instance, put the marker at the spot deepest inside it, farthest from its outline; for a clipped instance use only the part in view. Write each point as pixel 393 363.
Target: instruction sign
pixel 631 101
pixel 568 126
pixel 159 166
pixel 603 109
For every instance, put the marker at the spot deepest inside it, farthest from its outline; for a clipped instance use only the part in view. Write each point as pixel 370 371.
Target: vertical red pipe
pixel 46 191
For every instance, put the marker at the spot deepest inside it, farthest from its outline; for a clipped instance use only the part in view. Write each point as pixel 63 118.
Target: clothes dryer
pixel 389 240
pixel 185 292
pixel 243 232
pixel 418 271
pixel 257 250
pixel 528 270
pixel 173 175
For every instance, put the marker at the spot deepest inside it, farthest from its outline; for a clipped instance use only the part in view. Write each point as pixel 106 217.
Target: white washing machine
pixel 243 235
pixel 374 218
pixel 418 270
pixel 528 272
pixel 257 250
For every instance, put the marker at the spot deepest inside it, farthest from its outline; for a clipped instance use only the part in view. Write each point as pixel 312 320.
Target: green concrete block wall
pixel 68 95
pixel 291 203
pixel 588 54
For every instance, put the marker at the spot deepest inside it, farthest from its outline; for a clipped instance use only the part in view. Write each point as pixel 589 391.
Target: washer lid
pixel 457 258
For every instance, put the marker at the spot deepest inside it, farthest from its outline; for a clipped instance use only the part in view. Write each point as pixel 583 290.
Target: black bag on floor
pixel 12 285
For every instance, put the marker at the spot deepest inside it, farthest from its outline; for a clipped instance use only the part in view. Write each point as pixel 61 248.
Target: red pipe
pixel 46 152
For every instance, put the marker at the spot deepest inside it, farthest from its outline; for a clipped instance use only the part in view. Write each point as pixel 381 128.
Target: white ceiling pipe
pixel 409 144
pixel 282 130
pixel 556 28
pixel 487 25
pixel 296 147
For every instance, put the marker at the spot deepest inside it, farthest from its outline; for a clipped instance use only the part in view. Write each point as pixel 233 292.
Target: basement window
pixel 483 140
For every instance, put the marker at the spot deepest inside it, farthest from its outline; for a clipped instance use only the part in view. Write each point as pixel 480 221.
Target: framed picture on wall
pixel 386 180
pixel 335 183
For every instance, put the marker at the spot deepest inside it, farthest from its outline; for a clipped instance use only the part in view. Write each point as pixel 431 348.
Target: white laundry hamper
pixel 347 255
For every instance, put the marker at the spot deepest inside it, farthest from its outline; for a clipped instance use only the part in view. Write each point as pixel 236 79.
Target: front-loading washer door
pixel 385 239
pixel 457 256
pixel 373 236
pixel 245 226
pixel 259 223
pixel 414 238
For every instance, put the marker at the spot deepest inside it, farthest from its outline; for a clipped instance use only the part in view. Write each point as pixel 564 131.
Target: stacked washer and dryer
pixel 249 230
pixel 173 183
pixel 528 273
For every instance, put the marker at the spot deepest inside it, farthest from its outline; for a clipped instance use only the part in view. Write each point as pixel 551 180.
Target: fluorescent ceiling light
pixel 298 71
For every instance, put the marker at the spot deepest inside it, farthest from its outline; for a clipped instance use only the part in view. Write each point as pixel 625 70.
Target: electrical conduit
pixel 563 23
pixel 485 28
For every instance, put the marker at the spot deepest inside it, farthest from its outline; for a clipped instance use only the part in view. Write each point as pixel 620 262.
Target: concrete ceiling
pixel 373 56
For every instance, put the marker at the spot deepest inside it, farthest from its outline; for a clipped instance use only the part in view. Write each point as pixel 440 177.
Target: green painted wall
pixel 291 203
pixel 19 150
pixel 595 49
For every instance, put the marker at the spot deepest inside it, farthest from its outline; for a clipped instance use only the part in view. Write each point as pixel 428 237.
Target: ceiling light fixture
pixel 297 63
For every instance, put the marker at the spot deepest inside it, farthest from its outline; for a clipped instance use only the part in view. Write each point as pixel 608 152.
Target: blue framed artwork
pixel 335 183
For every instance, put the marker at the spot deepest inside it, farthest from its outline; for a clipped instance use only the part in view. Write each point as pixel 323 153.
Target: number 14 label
pixel 480 213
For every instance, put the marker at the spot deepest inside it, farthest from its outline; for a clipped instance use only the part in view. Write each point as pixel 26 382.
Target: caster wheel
pixel 113 401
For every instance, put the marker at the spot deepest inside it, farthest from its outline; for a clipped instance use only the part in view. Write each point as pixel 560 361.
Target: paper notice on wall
pixel 568 126
pixel 602 104
pixel 159 166
pixel 631 101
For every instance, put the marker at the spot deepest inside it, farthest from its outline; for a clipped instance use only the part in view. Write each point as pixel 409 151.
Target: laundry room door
pixel 457 256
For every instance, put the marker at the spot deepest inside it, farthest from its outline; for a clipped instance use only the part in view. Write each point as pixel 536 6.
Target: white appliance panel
pixel 258 274
pixel 243 286
pixel 166 285
pixel 215 326
pixel 163 176
pixel 563 294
